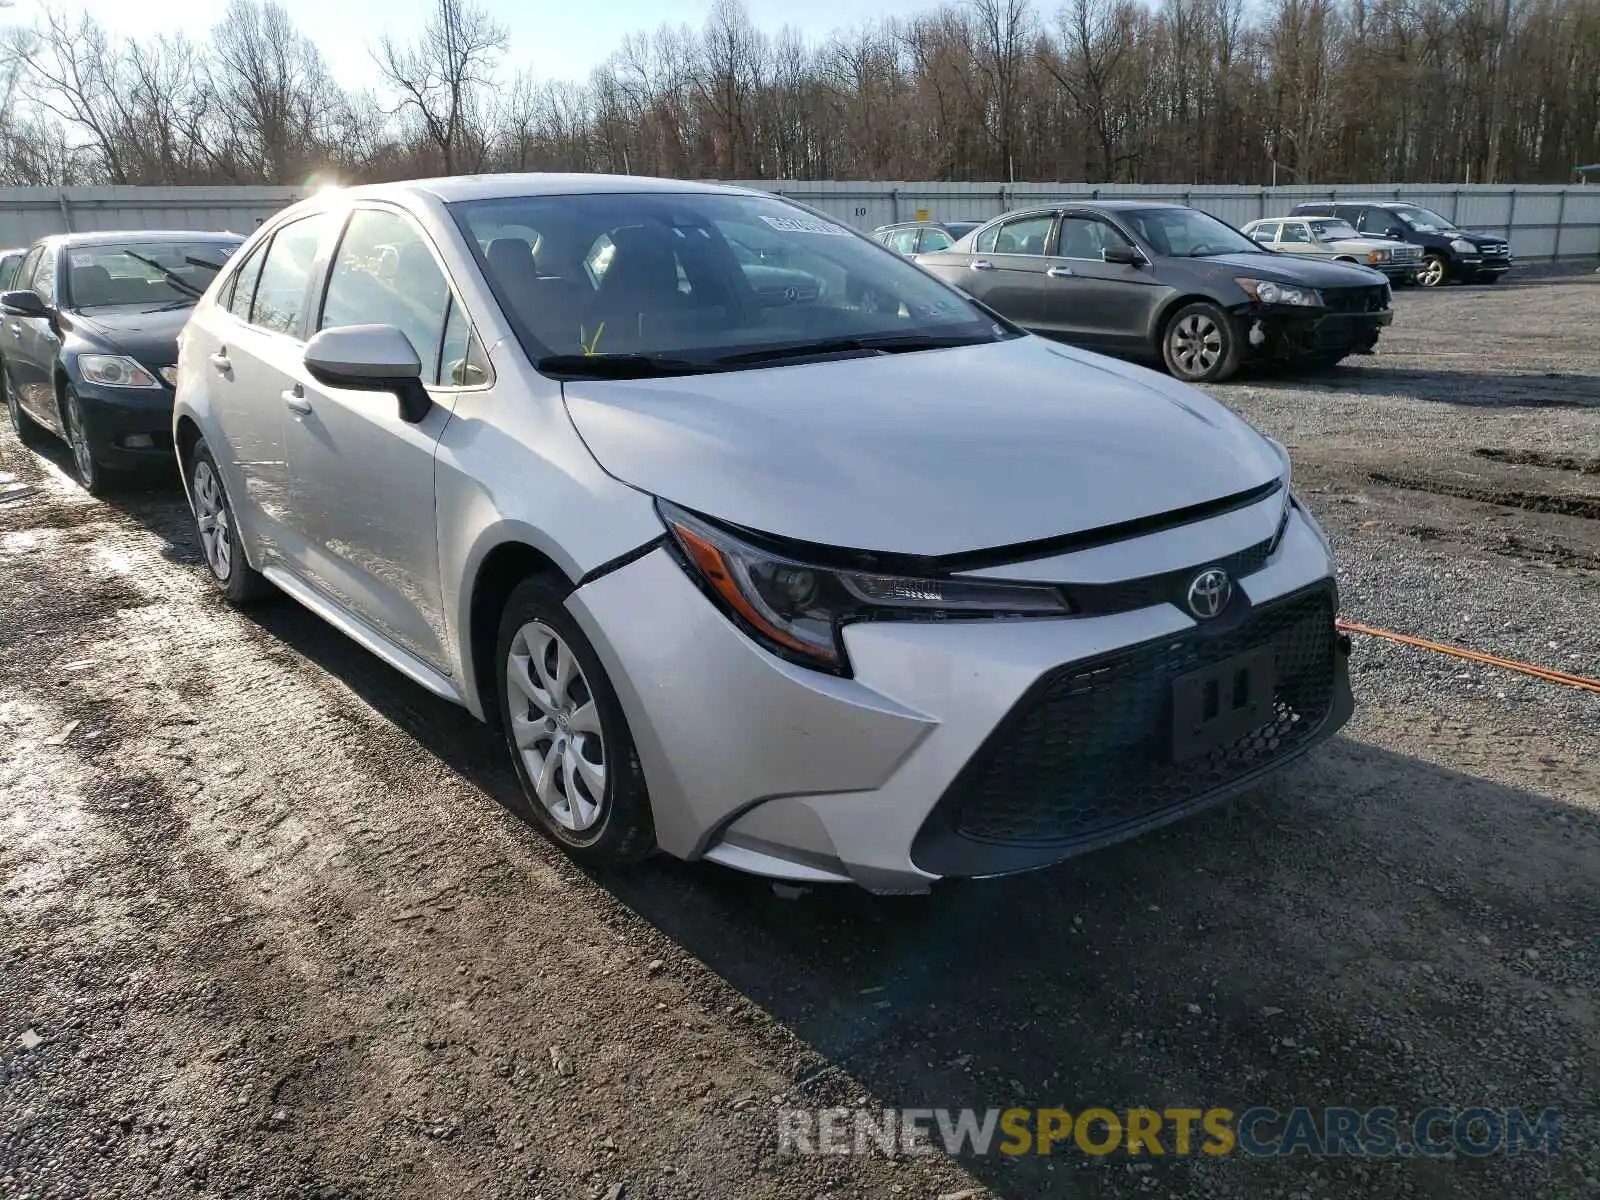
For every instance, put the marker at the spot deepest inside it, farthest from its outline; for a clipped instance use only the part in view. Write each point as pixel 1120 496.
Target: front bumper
pixel 131 428
pixel 1287 332
pixel 769 767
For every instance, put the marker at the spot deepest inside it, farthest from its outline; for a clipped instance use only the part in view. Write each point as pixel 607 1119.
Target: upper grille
pixel 1166 588
pixel 1496 250
pixel 1087 756
pixel 1357 300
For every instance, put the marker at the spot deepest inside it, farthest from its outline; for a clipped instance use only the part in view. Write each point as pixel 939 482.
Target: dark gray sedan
pixel 1162 281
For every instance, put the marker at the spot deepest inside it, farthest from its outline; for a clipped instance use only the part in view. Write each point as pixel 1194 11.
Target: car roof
pixel 113 236
pixel 456 188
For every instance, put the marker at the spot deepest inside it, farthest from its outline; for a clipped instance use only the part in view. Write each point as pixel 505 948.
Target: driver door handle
pixel 219 360
pixel 16 328
pixel 981 264
pixel 1059 272
pixel 295 398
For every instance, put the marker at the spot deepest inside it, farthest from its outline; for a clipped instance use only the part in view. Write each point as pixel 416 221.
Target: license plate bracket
pixel 1222 702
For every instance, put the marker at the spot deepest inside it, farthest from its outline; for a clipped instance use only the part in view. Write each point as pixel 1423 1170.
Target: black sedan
pixel 90 337
pixel 1162 281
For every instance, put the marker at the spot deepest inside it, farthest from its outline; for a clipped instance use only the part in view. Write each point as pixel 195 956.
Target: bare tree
pixel 445 78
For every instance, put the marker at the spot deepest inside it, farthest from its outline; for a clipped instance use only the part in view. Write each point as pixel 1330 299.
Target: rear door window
pixel 1265 232
pixel 934 240
pixel 1027 235
pixel 903 241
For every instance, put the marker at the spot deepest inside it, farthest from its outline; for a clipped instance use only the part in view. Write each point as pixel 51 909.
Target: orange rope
pixel 1577 681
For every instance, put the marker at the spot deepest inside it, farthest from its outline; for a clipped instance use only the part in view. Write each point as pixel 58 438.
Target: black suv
pixel 1449 252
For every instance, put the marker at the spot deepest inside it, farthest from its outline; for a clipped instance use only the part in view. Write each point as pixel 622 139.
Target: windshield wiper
pixel 177 281
pixel 619 366
pixel 884 344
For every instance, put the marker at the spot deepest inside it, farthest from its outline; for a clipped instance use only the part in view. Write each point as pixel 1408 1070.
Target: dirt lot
pixel 266 932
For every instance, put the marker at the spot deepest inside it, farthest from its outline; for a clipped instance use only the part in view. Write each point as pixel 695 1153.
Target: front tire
pixel 218 531
pixel 1201 344
pixel 1435 271
pixel 565 730
pixel 93 474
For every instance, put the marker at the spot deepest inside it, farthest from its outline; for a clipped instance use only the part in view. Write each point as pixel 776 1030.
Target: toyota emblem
pixel 1209 593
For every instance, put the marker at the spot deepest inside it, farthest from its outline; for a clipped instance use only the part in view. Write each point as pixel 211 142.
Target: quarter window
pixel 461 360
pixel 385 274
pixel 242 290
pixel 1027 235
pixel 280 298
pixel 44 276
pixel 986 240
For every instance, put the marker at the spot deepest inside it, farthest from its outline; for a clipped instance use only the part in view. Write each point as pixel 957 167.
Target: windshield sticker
pixel 806 225
pixel 83 260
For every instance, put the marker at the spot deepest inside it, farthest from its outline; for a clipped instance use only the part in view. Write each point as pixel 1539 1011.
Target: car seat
pixel 91 285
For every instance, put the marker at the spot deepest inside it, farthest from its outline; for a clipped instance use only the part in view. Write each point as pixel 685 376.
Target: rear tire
pixel 565 730
pixel 1435 271
pixel 1200 344
pixel 218 531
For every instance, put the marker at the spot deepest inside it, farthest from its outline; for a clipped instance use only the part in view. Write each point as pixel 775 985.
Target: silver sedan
pixel 851 582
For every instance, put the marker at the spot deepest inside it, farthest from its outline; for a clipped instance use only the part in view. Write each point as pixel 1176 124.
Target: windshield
pixel 1186 233
pixel 691 278
pixel 150 273
pixel 1424 220
pixel 1333 231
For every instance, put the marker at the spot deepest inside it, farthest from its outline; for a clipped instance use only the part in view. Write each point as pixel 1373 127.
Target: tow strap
pixel 1545 673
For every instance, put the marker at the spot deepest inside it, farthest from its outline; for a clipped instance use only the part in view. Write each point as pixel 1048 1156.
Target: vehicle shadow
pixel 1465 389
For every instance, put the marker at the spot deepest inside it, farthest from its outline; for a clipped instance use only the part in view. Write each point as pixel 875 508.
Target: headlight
pixel 1462 246
pixel 1264 291
pixel 1377 256
pixel 797 609
pixel 114 370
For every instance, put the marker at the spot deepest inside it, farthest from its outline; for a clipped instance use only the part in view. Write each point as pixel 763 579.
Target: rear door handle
pixel 981 264
pixel 219 360
pixel 295 398
pixel 1059 272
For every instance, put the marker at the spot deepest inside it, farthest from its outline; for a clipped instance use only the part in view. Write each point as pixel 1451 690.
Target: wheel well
pixel 506 566
pixel 1343 258
pixel 1164 317
pixel 187 434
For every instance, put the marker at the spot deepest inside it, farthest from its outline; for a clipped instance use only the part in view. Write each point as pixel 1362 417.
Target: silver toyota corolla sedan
pixel 760 544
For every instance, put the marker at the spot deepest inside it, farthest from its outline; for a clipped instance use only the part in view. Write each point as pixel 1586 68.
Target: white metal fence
pixel 1542 222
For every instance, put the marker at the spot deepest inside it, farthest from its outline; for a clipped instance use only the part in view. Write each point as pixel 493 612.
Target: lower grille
pixel 1088 754
pixel 1357 300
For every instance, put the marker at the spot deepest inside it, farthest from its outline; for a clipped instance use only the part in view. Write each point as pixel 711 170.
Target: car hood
pixel 929 453
pixel 1292 268
pixel 1477 237
pixel 146 333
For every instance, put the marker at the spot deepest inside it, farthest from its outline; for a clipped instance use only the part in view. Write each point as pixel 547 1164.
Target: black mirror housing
pixel 22 304
pixel 1125 256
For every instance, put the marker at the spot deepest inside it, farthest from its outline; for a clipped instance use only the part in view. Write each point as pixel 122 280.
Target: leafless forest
pixel 1202 91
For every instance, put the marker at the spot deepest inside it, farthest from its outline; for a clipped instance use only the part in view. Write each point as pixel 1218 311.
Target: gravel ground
pixel 266 930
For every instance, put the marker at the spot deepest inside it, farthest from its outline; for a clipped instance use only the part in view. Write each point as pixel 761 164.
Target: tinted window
pixel 157 273
pixel 1086 237
pixel 241 289
pixel 658 273
pixel 461 362
pixel 280 299
pixel 44 276
pixel 1026 236
pixel 385 274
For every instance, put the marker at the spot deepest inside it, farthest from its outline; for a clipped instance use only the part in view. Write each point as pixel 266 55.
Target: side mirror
pixel 22 304
pixel 1125 256
pixel 371 358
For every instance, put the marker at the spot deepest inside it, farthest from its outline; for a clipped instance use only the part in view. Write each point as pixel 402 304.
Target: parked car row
pixel 863 584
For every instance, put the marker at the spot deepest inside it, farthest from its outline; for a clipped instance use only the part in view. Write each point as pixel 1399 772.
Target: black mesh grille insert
pixel 1091 754
pixel 1357 300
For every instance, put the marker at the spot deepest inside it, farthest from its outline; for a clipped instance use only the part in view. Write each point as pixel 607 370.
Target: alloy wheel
pixel 1196 344
pixel 78 439
pixel 211 517
pixel 555 726
pixel 1432 274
